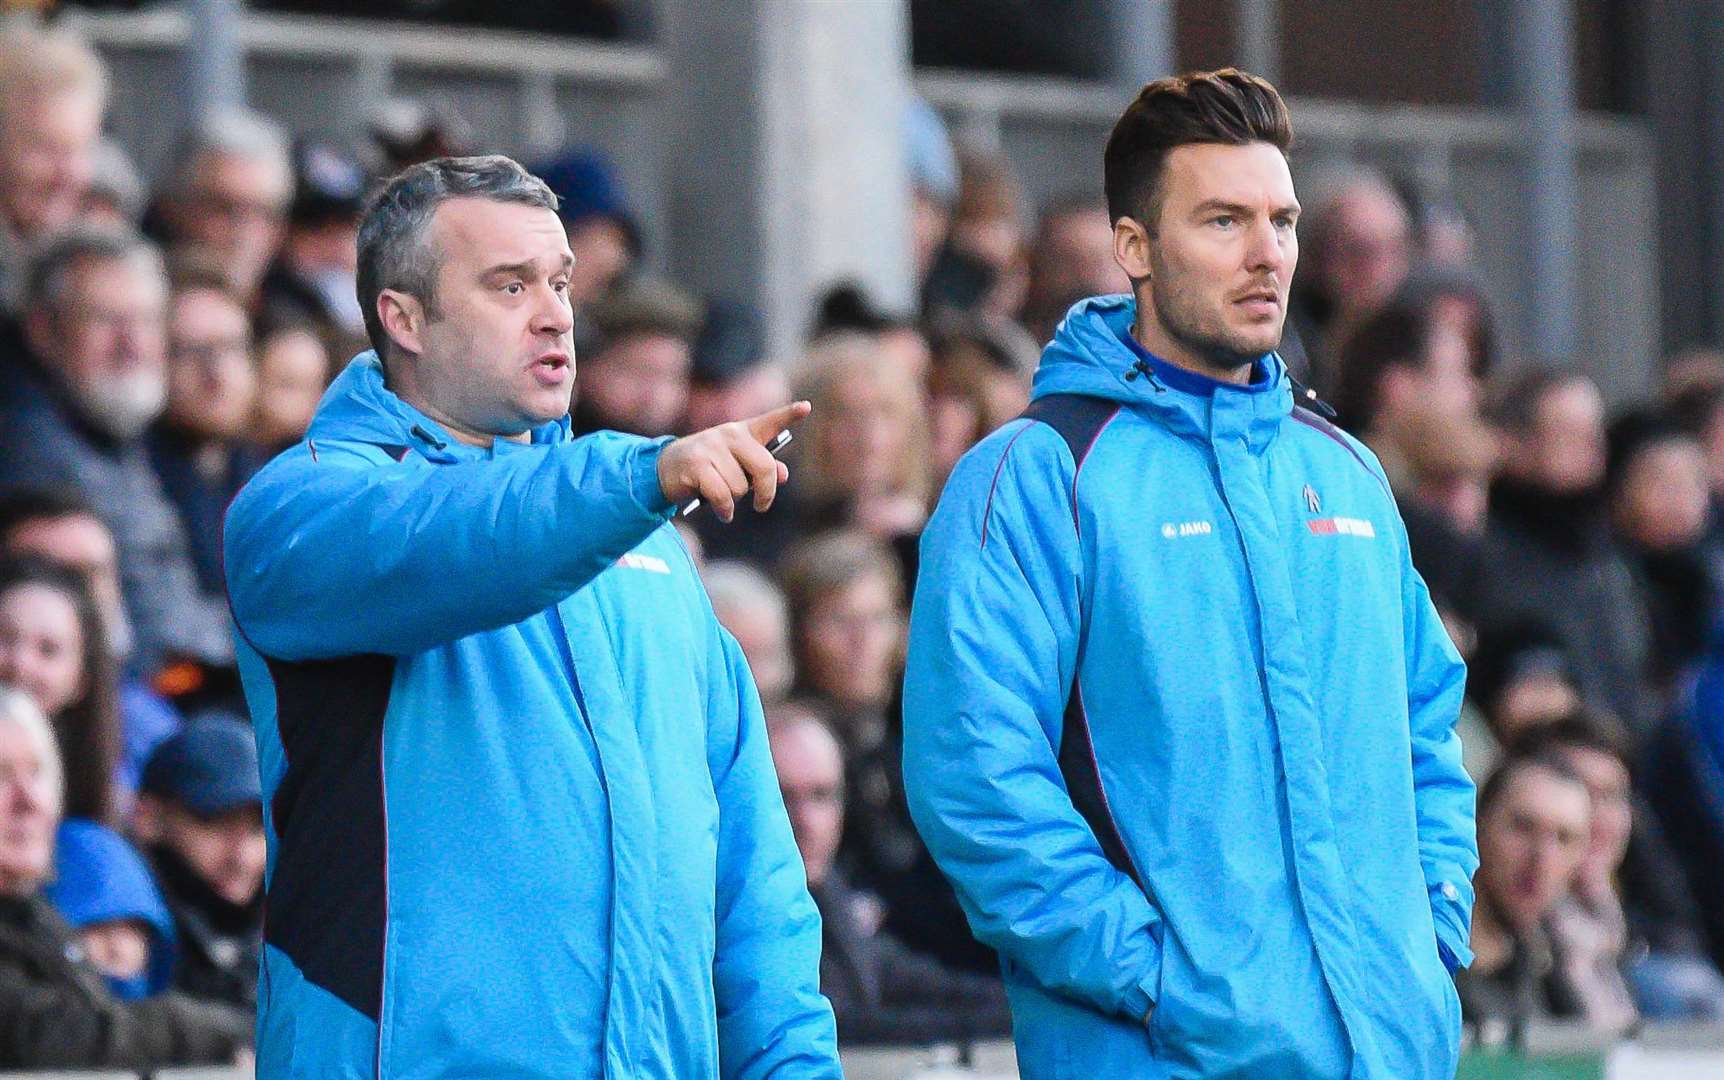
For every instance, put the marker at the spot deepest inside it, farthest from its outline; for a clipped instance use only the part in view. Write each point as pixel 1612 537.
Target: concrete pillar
pixel 1140 43
pixel 213 63
pixel 785 161
pixel 1260 37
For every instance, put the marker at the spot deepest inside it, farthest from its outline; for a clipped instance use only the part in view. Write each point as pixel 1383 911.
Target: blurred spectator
pixel 983 265
pixel 846 310
pixel 881 991
pixel 227 194
pixel 1655 480
pixel 979 380
pixel 115 197
pixel 200 817
pixel 1534 821
pixel 604 233
pixel 103 890
pixel 410 130
pixel 313 280
pixel 53 91
pixel 60 528
pixel 1691 370
pixel 1071 259
pixel 864 457
pixel 56 1010
pixel 730 379
pixel 1448 463
pixel 933 169
pixel 96 315
pixel 752 608
pixel 848 621
pixel 1550 554
pixel 635 379
pixel 293 370
pixel 1358 247
pixel 1521 678
pixel 52 648
pixel 1442 236
pixel 199 447
pixel 1424 352
pixel 1648 933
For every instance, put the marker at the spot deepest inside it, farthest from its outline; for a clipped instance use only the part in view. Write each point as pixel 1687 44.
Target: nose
pixel 554 317
pixel 1264 253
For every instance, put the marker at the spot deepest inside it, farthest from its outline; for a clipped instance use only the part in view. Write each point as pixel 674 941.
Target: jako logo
pixel 1173 530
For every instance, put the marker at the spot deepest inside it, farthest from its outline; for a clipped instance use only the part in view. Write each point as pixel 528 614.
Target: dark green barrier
pixel 1508 1065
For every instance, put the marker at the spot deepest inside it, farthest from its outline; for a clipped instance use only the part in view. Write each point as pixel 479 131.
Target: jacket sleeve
pixel 44 1025
pixel 1443 793
pixel 993 652
pixel 340 554
pixel 772 1020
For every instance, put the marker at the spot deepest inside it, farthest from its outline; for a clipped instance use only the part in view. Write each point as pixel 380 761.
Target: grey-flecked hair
pixel 231 132
pixel 50 269
pixel 395 249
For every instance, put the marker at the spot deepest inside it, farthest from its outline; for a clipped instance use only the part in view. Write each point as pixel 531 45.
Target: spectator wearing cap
pixel 96 321
pixel 1520 677
pixel 731 377
pixel 313 281
pixel 56 1010
pixel 200 448
pixel 604 234
pixel 53 92
pixel 1656 487
pixel 635 378
pixel 227 193
pixel 106 893
pixel 200 817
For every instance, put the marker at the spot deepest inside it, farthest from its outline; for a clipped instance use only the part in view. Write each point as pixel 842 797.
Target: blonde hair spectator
pixel 867 439
pixel 18 710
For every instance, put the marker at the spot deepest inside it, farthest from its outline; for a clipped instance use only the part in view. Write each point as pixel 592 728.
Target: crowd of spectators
pixel 158 344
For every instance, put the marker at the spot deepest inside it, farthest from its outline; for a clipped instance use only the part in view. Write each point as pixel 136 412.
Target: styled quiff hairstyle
pixel 1227 106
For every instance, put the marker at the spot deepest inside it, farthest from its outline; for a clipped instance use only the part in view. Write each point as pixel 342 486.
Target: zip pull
pixel 1142 368
pixel 425 436
pixel 1307 397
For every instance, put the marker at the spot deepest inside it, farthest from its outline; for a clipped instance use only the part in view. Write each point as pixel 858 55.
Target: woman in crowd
pixel 52 646
pixel 56 1010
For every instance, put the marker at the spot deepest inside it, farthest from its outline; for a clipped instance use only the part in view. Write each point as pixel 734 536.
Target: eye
pixel 561 285
pixel 1225 221
pixel 514 288
pixel 1284 221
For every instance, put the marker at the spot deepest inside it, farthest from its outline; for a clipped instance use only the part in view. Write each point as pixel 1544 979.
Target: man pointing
pixel 521 811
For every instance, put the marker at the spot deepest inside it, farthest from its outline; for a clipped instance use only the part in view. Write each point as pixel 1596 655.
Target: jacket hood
pixel 358 406
pixel 1093 353
pixel 98 878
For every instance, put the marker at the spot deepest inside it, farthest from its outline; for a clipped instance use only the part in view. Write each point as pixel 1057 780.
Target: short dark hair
pixel 394 251
pixel 26 505
pixel 1510 769
pixel 1228 106
pixel 1583 729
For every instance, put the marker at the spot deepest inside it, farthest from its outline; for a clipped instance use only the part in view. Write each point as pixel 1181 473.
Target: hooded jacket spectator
pixel 100 878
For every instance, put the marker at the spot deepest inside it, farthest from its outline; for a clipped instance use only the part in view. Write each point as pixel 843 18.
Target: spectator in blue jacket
pixel 1179 714
pixel 520 810
pixel 104 890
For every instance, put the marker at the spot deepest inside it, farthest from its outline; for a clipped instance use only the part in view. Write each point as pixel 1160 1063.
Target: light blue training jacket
pixel 1179 726
pixel 522 817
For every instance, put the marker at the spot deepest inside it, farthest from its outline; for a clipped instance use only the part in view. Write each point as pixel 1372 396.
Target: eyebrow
pixel 524 268
pixel 1208 206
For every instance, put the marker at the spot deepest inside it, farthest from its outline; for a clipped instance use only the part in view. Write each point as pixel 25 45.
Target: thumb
pixel 768 424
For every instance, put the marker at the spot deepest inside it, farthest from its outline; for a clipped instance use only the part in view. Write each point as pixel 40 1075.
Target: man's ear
pixel 403 319
pixel 1132 245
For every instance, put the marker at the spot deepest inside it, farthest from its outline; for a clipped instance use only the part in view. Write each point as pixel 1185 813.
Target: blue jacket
pixel 1179 726
pixel 522 817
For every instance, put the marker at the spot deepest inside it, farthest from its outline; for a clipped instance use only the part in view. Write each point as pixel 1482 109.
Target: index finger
pixel 768 424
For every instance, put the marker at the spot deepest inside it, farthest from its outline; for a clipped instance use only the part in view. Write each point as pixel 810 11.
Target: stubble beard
pixel 1182 315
